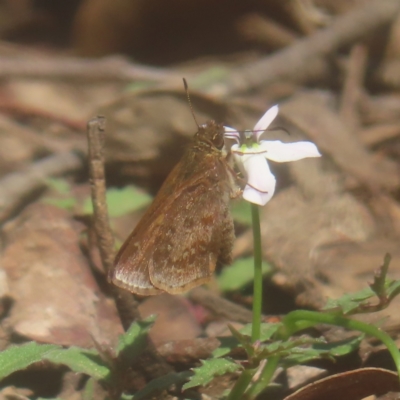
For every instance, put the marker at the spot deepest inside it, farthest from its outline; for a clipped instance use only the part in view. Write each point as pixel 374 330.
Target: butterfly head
pixel 212 134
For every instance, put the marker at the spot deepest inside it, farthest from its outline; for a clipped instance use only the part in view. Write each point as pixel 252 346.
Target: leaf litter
pixel 325 231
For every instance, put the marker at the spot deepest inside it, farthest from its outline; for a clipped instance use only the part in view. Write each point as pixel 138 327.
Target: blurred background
pixel 333 66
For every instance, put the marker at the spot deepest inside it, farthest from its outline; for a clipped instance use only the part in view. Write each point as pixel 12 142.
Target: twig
pixel 17 186
pixel 96 137
pixel 294 62
pixel 126 304
pixel 219 306
pixel 353 87
pixel 307 15
pixel 13 108
pixel 333 137
pixel 88 70
pixel 150 363
pixel 188 351
pixel 35 139
pixel 378 133
pixel 266 31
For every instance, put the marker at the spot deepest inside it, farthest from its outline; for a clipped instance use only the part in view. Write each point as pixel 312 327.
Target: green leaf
pixel 301 355
pixel 162 383
pixel 209 369
pixel 80 360
pixel 59 185
pixel 48 398
pixel 342 347
pixel 240 274
pixel 241 213
pixel 88 391
pixel 66 204
pixel 378 285
pixel 228 343
pixel 392 289
pixel 286 348
pixel 209 77
pixel 16 358
pixel 244 340
pixel 350 301
pixel 267 330
pixel 121 201
pixel 133 341
pixel 60 195
pixel 304 355
pixel 138 86
pixel 383 288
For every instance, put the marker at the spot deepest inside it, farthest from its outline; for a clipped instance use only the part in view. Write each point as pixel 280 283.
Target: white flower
pixel 251 157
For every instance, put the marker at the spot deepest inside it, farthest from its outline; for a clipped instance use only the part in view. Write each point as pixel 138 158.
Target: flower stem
pixel 294 321
pixel 257 292
pixel 264 380
pixel 241 384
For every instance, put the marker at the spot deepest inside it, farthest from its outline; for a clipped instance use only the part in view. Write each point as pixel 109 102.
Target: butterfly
pixel 188 229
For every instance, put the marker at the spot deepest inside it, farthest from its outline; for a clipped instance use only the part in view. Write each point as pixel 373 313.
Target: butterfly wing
pixel 182 235
pixel 188 252
pixel 131 270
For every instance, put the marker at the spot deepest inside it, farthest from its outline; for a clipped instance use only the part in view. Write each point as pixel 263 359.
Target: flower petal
pixel 283 152
pixel 238 157
pixel 265 120
pixel 231 133
pixel 261 182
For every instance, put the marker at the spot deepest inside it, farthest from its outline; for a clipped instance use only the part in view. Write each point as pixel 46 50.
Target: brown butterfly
pixel 188 229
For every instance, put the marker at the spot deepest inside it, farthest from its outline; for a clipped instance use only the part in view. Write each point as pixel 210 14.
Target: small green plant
pixel 279 346
pixel 263 346
pixel 240 274
pixel 120 201
pixel 108 368
pixel 60 194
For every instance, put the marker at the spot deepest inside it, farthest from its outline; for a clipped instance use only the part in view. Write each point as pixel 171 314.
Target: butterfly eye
pixel 218 140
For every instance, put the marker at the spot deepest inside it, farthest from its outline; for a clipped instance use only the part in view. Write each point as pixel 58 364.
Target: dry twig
pixel 17 186
pixel 219 306
pixel 378 133
pixel 150 363
pixel 15 109
pixel 126 304
pixel 266 31
pixel 88 70
pixel 294 62
pixel 353 87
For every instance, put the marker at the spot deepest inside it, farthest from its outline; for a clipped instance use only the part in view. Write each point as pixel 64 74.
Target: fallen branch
pixel 220 306
pixel 82 69
pixel 150 363
pixel 16 187
pixel 294 62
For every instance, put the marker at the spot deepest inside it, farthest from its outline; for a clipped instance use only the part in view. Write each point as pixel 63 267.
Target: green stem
pixel 241 384
pixel 257 293
pixel 294 322
pixel 245 378
pixel 264 380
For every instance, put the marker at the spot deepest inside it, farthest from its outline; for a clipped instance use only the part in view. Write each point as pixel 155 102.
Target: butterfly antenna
pixel 189 101
pixel 279 128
